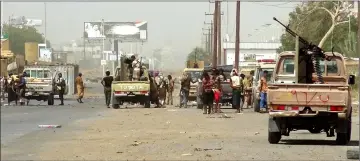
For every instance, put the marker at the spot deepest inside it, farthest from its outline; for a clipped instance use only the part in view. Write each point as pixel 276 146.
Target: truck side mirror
pixel 351 79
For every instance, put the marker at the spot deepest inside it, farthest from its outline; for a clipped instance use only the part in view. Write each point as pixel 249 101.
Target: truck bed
pixel 322 95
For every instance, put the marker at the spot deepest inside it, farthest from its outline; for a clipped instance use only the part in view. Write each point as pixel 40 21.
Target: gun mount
pixel 310 53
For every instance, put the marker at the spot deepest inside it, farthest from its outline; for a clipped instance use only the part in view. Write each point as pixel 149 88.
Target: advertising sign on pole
pixel 127 31
pixel 44 53
pixel 122 31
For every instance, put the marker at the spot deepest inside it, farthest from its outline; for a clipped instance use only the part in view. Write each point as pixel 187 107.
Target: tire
pixel 314 130
pixel 352 154
pixel 115 106
pixel 50 99
pixel 147 104
pixel 274 137
pixel 233 107
pixel 344 138
pixel 200 106
pixel 256 105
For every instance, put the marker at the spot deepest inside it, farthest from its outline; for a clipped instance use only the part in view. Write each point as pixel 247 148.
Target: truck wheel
pixel 200 106
pixel 274 137
pixel 51 99
pixel 256 105
pixel 115 106
pixel 344 138
pixel 314 130
pixel 147 104
pixel 352 154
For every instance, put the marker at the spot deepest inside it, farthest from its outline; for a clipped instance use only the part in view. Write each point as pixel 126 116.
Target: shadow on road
pixel 317 142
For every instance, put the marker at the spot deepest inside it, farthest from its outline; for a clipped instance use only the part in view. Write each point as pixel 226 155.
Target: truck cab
pixel 195 75
pixel 295 104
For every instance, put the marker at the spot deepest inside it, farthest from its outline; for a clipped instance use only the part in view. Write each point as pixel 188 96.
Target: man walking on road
pixel 170 90
pixel 184 90
pixel 106 82
pixel 80 88
pixel 263 91
pixel 60 83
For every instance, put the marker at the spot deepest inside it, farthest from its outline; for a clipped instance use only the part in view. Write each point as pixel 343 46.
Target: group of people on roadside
pixel 15 87
pixel 210 90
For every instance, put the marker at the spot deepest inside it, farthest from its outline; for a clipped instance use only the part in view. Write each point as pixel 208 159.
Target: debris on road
pixel 147 113
pixel 136 143
pixel 49 126
pixel 182 132
pixel 257 133
pixel 224 116
pixel 206 149
pixel 186 154
pixel 207 155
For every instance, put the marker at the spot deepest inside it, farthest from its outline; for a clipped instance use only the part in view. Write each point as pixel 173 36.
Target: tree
pixel 199 54
pixel 18 36
pixel 323 23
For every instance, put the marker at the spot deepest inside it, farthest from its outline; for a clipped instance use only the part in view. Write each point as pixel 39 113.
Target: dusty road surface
pixel 172 134
pixel 136 133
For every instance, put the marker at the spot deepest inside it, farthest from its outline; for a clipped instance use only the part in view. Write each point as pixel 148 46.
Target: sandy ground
pixel 186 134
pixel 136 133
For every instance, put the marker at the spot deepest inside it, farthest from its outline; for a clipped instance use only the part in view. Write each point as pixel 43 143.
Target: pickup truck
pixel 130 91
pixel 40 84
pixel 295 105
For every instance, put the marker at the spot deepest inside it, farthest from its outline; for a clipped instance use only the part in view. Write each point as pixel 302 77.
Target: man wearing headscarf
pixel 80 88
pixel 60 83
pixel 161 84
pixel 235 84
pixel 185 82
pixel 21 88
pixel 136 70
pixel 170 89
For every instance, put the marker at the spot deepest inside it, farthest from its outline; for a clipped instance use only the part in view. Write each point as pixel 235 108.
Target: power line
pixel 274 5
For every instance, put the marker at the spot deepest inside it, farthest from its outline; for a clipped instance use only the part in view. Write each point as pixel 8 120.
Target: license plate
pixel 131 95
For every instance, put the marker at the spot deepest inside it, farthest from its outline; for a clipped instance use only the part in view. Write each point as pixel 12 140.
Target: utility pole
pixel 210 36
pixel 214 61
pixel 219 34
pixel 237 36
pixel 215 32
pixel 45 25
pixel 208 39
pixel 103 45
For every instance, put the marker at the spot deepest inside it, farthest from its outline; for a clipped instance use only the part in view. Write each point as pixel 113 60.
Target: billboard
pixel 45 54
pixel 93 30
pixel 122 31
pixel 22 20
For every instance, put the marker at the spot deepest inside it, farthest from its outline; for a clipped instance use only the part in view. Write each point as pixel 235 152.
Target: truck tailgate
pixel 308 94
pixel 130 86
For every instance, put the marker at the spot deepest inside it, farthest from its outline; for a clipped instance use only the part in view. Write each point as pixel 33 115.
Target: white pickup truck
pixel 40 84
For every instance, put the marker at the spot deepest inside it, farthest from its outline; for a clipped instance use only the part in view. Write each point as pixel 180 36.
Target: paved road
pixel 17 121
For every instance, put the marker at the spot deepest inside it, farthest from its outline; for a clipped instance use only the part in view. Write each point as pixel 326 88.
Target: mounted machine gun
pixel 310 53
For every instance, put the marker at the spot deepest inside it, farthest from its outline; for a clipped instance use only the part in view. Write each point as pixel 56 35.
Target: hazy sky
pixel 175 24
